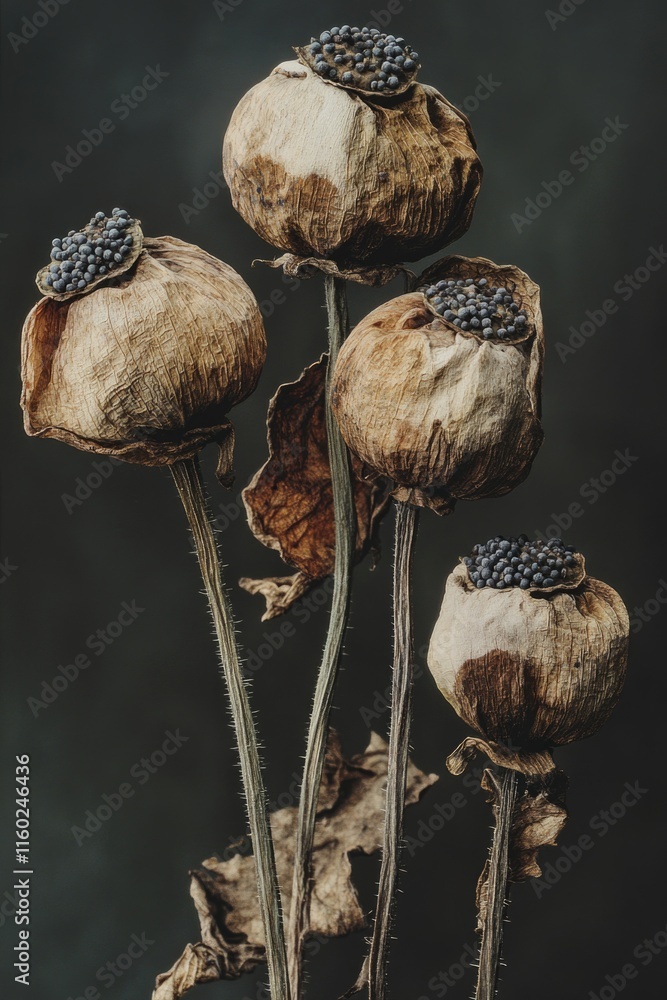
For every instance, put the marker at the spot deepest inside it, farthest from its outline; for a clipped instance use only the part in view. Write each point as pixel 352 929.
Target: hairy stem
pixel 187 476
pixel 399 740
pixel 346 528
pixel 498 874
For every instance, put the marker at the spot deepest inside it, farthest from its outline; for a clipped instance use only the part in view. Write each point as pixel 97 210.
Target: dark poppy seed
pixel 80 259
pixel 377 60
pixel 490 316
pixel 497 562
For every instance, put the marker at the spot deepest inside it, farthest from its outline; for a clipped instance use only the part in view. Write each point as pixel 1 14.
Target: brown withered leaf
pixel 526 762
pixel 289 501
pixel 279 592
pixel 538 819
pixel 197 964
pixel 350 821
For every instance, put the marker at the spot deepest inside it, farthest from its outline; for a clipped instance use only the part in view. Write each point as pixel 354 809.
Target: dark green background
pixel 128 540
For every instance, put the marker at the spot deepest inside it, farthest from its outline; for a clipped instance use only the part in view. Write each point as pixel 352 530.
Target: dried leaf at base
pixel 350 821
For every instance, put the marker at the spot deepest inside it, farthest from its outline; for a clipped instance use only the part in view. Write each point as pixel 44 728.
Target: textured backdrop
pixel 539 85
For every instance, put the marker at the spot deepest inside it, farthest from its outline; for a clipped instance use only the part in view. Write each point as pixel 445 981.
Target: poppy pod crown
pixel 342 155
pixel 140 357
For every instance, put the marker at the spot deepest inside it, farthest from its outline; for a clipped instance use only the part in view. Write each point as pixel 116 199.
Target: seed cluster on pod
pixel 96 250
pixel 476 304
pixel 365 58
pixel 517 562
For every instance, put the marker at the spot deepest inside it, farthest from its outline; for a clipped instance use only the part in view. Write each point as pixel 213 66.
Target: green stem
pixel 497 891
pixel 399 745
pixel 318 730
pixel 188 479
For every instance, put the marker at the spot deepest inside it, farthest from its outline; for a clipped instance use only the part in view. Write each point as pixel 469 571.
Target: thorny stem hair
pixel 188 479
pixel 506 790
pixel 399 744
pixel 318 730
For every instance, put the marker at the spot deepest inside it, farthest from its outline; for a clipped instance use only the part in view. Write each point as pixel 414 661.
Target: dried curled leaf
pixel 526 762
pixel 306 267
pixel 289 501
pixel 197 964
pixel 538 819
pixel 350 820
pixel 279 592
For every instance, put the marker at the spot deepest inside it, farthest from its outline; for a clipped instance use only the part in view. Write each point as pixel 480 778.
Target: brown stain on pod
pixel 146 367
pixel 531 668
pixel 319 169
pixel 442 413
pixel 509 714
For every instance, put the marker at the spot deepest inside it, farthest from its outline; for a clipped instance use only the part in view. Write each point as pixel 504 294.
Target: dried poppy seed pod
pixel 321 162
pixel 528 649
pixel 143 360
pixel 447 407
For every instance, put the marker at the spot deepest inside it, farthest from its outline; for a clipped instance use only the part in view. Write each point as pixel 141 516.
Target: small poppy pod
pixel 535 667
pixel 145 362
pixel 447 412
pixel 320 168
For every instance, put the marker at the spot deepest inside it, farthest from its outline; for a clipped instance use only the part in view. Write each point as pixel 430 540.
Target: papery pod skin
pixel 316 168
pixel 144 368
pixel 532 669
pixel 444 414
